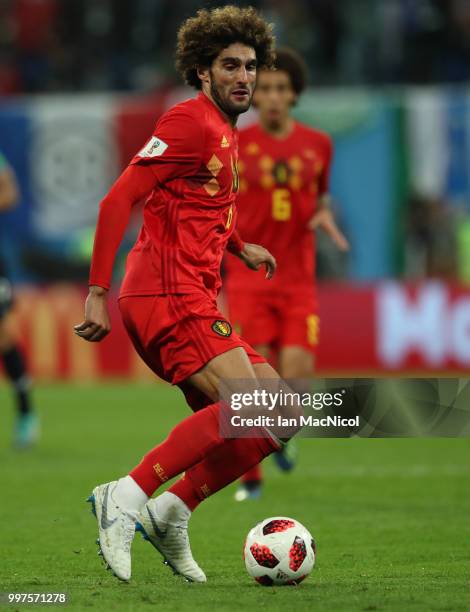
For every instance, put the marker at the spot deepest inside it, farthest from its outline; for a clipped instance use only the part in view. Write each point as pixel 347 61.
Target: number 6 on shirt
pixel 281 205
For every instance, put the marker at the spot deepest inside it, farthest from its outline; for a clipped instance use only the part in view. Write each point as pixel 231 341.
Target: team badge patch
pixel 154 148
pixel 223 328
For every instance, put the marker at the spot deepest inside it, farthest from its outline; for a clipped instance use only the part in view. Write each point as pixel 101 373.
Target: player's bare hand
pixel 256 256
pixel 325 220
pixel 96 324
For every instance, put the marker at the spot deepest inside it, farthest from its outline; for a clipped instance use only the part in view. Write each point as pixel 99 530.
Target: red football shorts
pixel 176 335
pixel 280 318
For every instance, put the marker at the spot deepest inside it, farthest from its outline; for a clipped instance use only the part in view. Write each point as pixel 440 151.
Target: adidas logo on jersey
pixel 225 143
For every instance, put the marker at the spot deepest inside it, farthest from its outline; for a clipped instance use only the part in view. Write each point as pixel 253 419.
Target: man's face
pixel 274 95
pixel 232 78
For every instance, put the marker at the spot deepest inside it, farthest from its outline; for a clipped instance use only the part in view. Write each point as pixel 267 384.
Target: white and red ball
pixel 279 551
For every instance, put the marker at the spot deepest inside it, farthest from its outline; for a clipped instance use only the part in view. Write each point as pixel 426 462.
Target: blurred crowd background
pixel 82 83
pixel 70 45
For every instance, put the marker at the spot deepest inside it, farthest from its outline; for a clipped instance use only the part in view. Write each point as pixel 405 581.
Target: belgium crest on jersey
pixel 222 328
pixel 281 172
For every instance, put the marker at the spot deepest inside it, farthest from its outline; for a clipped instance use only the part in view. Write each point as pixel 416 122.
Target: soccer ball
pixel 279 551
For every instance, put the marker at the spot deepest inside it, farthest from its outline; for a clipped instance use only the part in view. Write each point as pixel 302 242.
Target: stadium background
pixel 81 84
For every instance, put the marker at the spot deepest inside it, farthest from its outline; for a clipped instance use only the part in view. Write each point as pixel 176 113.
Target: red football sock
pixel 222 466
pixel 188 443
pixel 253 474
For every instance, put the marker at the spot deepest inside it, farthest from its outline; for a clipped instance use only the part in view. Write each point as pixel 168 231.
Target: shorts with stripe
pixel 176 335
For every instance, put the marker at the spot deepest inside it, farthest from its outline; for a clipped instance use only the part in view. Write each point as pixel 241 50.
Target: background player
pixel 26 431
pixel 284 171
pixel 188 170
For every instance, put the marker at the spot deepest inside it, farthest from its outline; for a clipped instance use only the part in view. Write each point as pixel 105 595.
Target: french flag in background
pixel 66 151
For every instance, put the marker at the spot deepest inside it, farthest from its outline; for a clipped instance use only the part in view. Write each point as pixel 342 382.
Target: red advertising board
pixel 386 328
pixel 391 327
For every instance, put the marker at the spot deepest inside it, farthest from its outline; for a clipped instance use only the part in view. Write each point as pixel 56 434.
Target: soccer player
pixel 188 173
pixel 284 173
pixel 26 431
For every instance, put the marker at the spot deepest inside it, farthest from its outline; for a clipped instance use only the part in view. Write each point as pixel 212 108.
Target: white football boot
pixel 163 521
pixel 116 528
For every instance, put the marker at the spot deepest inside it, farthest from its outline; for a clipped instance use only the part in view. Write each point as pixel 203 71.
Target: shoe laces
pixel 179 543
pixel 128 529
pixel 182 532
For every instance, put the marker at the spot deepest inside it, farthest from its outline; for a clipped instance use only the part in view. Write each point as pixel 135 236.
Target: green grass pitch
pixel 391 517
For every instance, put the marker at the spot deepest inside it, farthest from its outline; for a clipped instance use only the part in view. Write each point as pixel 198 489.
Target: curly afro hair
pixel 203 37
pixel 291 62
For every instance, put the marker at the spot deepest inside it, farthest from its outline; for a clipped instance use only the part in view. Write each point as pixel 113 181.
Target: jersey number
pixel 229 217
pixel 281 205
pixel 313 328
pixel 235 179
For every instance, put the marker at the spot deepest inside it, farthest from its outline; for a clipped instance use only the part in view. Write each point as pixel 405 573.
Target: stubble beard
pixel 231 110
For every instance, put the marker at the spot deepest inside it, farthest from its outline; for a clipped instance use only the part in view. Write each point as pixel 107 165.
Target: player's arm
pixel 134 184
pixel 173 151
pixel 324 217
pixel 253 255
pixel 9 193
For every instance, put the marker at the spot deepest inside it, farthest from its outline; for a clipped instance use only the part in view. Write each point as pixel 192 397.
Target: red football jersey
pixel 190 214
pixel 280 182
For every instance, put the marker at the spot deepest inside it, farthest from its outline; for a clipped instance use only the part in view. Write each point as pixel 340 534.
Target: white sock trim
pixel 129 495
pixel 172 509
